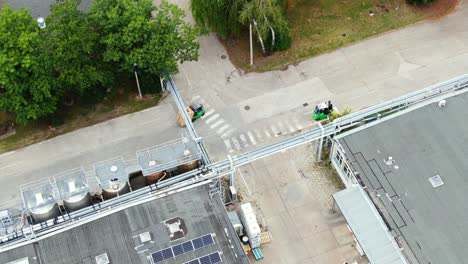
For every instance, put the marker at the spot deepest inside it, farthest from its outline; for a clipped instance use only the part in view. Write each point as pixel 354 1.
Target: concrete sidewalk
pixel 358 76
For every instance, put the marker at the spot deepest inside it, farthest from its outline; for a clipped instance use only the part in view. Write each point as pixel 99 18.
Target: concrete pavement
pixel 358 76
pixel 248 110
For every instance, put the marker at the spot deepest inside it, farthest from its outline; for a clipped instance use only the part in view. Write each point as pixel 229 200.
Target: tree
pixel 268 20
pixel 72 45
pixel 26 84
pixel 420 2
pixel 131 34
pixel 220 16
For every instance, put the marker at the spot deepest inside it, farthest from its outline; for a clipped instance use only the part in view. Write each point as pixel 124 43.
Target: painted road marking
pixel 274 130
pixel 211 119
pixel 221 129
pixel 228 145
pixel 297 124
pixel 282 128
pixel 236 143
pixel 207 114
pixel 244 140
pixel 290 127
pixel 219 122
pixel 258 134
pixel 252 139
pixel 267 133
pixel 227 133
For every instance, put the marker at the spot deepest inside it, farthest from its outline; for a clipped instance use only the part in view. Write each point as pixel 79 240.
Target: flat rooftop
pixel 118 235
pixel 423 143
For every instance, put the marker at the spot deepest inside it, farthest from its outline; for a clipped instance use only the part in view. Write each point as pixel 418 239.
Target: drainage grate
pixel 436 181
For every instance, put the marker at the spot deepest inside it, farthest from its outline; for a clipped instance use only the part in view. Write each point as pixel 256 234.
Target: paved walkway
pixel 359 75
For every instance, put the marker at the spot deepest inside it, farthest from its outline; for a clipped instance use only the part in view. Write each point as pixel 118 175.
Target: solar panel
pixel 215 258
pixel 187 246
pixel 167 253
pixel 205 260
pixel 195 261
pixel 157 257
pixel 198 243
pixel 178 250
pixel 207 240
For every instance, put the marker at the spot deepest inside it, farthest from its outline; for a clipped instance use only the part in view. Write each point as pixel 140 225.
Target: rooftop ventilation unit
pixel 442 103
pixel 436 181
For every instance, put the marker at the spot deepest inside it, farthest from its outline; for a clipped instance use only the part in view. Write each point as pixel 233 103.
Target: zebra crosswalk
pixel 235 140
pixel 214 119
pixel 256 136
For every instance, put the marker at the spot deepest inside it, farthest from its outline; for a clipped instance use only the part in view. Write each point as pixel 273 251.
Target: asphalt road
pixel 245 111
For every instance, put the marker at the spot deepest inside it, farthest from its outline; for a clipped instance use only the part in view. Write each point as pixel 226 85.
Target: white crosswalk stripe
pixel 219 122
pixel 290 127
pixel 195 97
pixel 228 145
pixel 221 129
pixel 236 143
pixel 252 138
pixel 244 140
pixel 211 119
pixel 208 113
pixel 258 134
pixel 226 134
pixel 274 130
pixel 267 133
pixel 282 128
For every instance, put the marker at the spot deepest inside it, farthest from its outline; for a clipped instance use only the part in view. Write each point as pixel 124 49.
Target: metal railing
pixel 213 171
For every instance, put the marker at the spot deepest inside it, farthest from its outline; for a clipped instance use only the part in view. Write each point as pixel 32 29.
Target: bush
pixel 283 40
pixel 420 2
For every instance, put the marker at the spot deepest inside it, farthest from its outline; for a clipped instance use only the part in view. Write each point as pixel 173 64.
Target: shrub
pixel 420 2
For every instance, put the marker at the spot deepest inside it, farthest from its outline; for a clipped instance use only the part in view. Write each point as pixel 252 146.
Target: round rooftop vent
pixel 152 163
pixel 113 168
pixel 186 152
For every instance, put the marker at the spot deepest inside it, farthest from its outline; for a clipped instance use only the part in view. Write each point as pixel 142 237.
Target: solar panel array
pixel 182 248
pixel 212 258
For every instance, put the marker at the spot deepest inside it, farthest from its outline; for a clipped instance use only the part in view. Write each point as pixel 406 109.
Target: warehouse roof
pixel 132 235
pixel 414 168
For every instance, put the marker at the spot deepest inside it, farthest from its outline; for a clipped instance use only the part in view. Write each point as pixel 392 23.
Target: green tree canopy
pixel 131 34
pixel 26 83
pixel 268 17
pixel 72 45
pixel 220 16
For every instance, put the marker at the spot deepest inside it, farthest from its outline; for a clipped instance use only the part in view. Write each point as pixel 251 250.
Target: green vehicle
pixel 198 111
pixel 322 111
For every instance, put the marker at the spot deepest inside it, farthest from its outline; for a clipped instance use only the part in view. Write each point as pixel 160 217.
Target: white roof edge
pixel 363 206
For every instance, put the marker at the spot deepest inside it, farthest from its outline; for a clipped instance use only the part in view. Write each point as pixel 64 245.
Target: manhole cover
pixel 305 104
pixel 223 56
pixel 247 107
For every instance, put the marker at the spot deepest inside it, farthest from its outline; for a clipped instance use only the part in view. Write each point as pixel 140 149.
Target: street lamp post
pixel 135 66
pixel 251 45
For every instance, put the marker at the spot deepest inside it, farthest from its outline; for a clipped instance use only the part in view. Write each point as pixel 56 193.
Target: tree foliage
pixel 130 34
pixel 220 16
pixel 420 2
pixel 26 83
pixel 72 45
pixel 269 22
pixel 81 53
